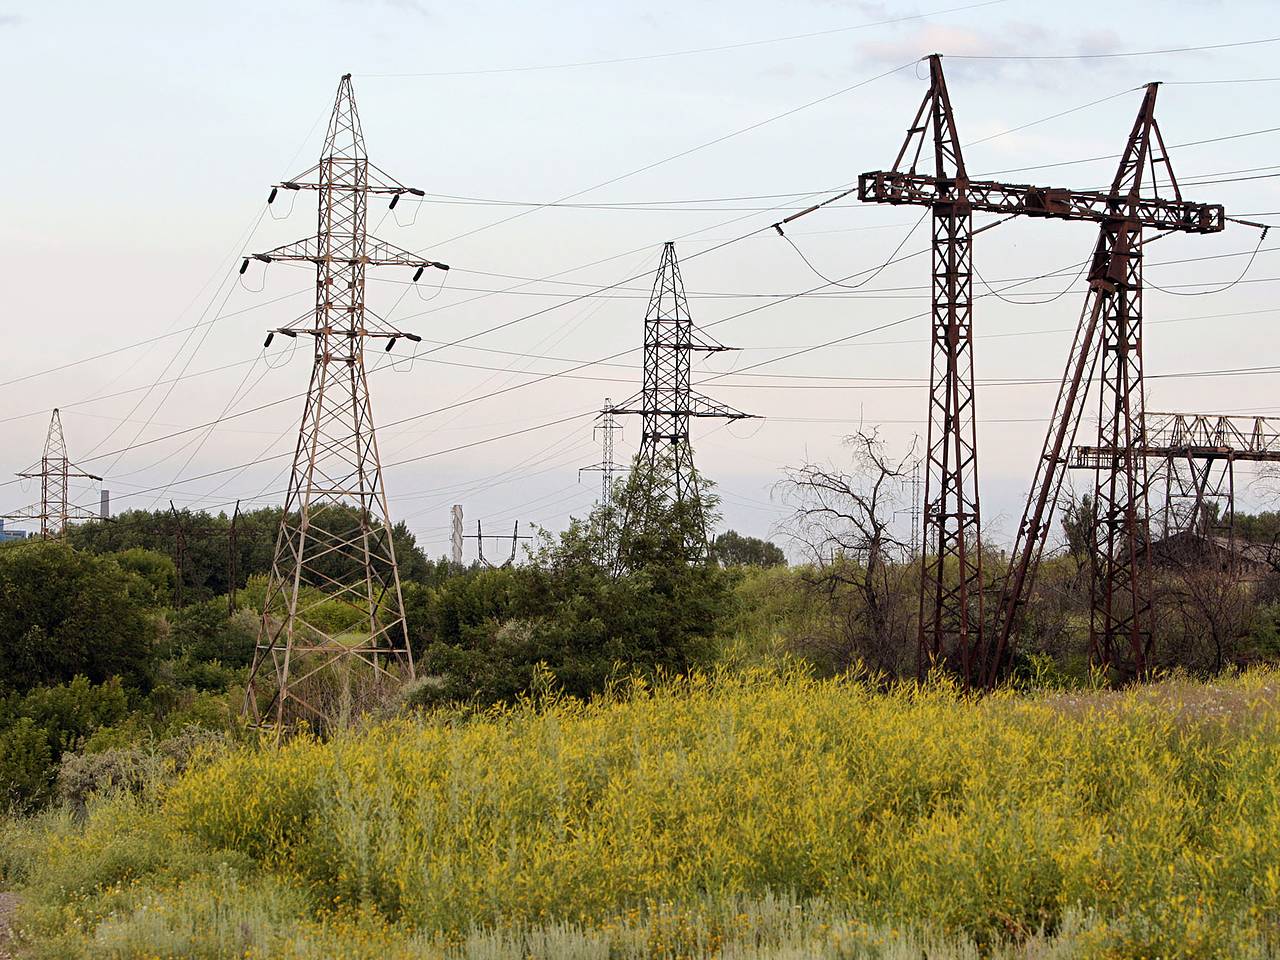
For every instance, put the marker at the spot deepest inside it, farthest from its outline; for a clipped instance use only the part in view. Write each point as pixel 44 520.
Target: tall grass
pixel 1141 824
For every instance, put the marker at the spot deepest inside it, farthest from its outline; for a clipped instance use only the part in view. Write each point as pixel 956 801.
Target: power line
pixel 1112 56
pixel 697 51
pixel 676 156
pixel 1112 156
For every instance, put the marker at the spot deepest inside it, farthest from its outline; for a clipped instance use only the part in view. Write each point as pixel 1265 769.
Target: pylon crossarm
pixel 1060 203
pixel 377 253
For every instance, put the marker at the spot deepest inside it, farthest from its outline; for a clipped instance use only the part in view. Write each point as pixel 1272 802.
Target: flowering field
pixel 757 816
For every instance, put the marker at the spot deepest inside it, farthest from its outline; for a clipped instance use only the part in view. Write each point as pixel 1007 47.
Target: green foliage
pixel 206 631
pixel 1055 825
pixel 487 634
pixel 38 727
pixel 205 567
pixel 26 766
pixel 1262 527
pixel 156 575
pixel 732 549
pixel 63 613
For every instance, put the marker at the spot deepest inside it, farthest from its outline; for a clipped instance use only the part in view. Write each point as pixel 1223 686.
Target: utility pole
pixel 456 540
pixel 604 430
pixel 335 540
pixel 951 587
pixel 55 470
pixel 1120 628
pixel 233 560
pixel 663 474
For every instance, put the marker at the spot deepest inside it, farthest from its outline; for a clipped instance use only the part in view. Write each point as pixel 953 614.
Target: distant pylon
pixel 55 471
pixel 605 428
pixel 335 540
pixel 667 401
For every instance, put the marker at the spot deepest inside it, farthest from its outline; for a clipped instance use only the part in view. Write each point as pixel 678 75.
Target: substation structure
pixel 930 171
pixel 55 471
pixel 335 542
pixel 663 473
pixel 1195 456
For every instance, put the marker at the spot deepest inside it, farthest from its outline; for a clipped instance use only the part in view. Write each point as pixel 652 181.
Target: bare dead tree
pixel 843 519
pixel 1212 605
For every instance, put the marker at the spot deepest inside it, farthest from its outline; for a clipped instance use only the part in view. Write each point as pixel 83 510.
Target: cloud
pixel 1012 40
pixel 413 6
pixel 9 19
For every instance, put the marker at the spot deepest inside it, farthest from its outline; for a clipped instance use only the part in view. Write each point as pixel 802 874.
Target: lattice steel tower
pixel 664 470
pixel 55 511
pixel 335 540
pixel 605 429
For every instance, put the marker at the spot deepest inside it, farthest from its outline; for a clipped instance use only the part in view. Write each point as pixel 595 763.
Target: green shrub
pixel 64 613
pixel 26 766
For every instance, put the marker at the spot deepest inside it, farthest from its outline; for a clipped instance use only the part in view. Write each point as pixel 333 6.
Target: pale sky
pixel 144 137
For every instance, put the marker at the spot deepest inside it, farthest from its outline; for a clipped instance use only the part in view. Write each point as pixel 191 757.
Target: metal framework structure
pixel 604 430
pixel 951 602
pixel 1108 335
pixel 55 471
pixel 335 539
pixel 666 403
pixel 950 620
pixel 480 537
pixel 1197 454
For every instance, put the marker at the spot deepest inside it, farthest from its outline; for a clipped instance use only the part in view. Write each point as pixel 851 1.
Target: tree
pixel 488 634
pixel 843 519
pixel 1079 520
pixel 64 613
pixel 733 549
pixel 206 538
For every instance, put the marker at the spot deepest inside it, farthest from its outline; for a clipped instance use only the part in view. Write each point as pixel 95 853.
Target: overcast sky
pixel 144 137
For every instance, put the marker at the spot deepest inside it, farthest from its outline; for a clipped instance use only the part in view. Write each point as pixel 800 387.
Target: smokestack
pixel 457 534
pixel 104 504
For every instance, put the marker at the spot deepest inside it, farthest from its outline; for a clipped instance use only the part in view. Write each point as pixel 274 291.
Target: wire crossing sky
pixel 557 154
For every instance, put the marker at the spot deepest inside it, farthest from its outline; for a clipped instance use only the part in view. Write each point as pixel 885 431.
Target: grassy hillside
pixel 750 816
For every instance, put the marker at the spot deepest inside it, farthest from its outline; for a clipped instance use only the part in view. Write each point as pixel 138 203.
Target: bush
pixel 26 766
pixel 207 632
pixel 38 727
pixel 64 613
pixel 1155 812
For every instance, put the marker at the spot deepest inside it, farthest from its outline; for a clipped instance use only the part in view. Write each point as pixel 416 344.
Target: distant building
pixel 12 534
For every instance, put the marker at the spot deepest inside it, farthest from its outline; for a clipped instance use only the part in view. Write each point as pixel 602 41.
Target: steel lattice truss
pixel 334 546
pixel 950 626
pixel 1109 337
pixel 664 473
pixel 608 468
pixel 951 614
pixel 1195 456
pixel 55 471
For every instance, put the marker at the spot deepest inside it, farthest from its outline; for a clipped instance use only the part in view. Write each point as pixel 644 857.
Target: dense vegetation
pixel 758 814
pixel 611 751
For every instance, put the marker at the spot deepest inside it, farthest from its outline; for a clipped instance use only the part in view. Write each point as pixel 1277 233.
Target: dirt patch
pixel 7 903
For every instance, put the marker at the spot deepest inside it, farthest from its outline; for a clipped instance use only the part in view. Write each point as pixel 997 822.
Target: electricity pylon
pixel 55 471
pixel 605 429
pixel 335 541
pixel 951 586
pixel 664 474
